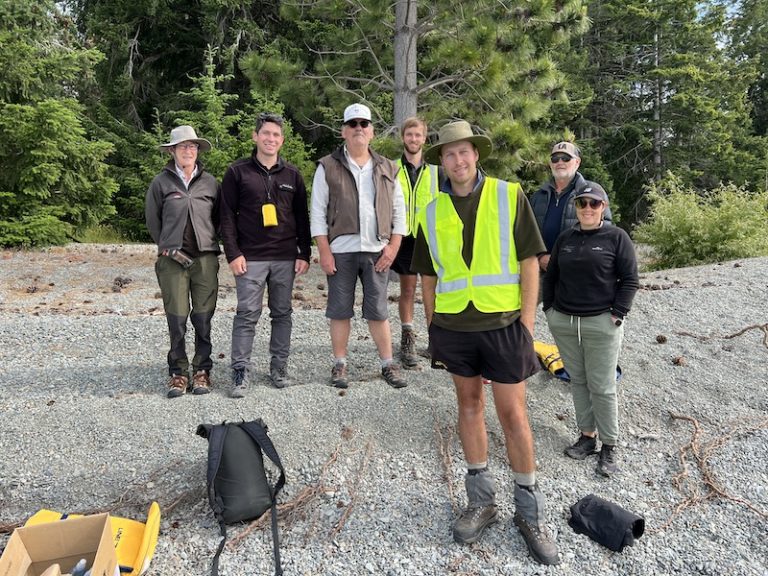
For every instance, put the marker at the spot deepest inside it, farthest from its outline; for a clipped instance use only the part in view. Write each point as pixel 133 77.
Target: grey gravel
pixel 86 426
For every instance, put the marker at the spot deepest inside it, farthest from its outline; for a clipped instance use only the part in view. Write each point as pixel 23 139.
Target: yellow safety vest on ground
pixel 492 282
pixel 423 193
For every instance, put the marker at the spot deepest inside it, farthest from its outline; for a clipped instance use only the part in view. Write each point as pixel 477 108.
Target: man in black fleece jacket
pixel 265 230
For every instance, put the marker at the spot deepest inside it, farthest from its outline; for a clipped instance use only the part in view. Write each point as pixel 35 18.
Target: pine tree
pixel 53 179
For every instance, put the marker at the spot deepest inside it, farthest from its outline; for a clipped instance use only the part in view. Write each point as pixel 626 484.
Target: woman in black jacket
pixel 588 290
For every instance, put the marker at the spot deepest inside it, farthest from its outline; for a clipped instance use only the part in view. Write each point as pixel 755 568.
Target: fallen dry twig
pixel 708 488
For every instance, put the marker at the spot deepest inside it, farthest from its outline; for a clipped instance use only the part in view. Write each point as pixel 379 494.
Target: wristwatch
pixel 617 321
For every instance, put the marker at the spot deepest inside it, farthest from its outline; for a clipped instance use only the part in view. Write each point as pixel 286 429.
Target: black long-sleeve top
pixel 247 187
pixel 591 272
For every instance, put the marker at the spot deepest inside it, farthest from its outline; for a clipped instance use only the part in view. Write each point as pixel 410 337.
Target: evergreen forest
pixel 660 95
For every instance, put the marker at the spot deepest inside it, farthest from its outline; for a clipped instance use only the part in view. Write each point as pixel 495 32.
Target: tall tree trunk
pixel 658 131
pixel 405 60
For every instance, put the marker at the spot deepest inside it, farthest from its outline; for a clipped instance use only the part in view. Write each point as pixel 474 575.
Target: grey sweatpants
pixel 277 277
pixel 589 347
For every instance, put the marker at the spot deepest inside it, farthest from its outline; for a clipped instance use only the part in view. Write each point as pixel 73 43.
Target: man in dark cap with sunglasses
pixel 358 222
pixel 552 203
pixel 265 230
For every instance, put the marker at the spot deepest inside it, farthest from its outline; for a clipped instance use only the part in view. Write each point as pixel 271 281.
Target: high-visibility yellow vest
pixel 492 282
pixel 418 196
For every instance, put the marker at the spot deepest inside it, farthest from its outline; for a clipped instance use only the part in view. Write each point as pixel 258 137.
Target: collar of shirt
pixel 445 185
pixel 352 163
pixel 183 176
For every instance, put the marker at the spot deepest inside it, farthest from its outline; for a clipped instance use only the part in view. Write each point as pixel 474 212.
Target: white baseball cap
pixel 356 111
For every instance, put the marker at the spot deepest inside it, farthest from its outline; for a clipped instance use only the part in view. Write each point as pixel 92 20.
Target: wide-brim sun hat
pixel 186 134
pixel 457 132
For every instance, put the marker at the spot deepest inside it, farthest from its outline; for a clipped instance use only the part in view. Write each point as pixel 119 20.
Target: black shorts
pixel 402 263
pixel 505 355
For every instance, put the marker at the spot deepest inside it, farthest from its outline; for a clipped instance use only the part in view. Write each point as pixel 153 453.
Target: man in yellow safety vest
pixel 476 249
pixel 419 182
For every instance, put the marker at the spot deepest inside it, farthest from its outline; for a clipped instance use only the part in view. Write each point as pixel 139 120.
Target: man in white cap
pixel 357 219
pixel 552 203
pixel 181 212
pixel 476 249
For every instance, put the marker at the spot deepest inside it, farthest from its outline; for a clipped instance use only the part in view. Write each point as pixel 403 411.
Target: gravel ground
pixel 377 473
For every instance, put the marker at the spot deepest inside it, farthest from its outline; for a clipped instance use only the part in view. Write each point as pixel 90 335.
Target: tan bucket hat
pixel 456 132
pixel 184 134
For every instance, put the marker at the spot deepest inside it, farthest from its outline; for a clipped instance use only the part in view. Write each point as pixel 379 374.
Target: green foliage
pixel 663 96
pixel 55 173
pixel 687 228
pixel 100 234
pixel 53 178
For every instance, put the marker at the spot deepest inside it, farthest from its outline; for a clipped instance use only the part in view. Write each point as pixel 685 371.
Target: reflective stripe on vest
pixel 492 282
pixel 423 193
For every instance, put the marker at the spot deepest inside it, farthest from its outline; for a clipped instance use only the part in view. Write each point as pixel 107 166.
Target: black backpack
pixel 238 489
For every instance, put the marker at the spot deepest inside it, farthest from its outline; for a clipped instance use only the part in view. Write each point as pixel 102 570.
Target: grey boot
pixel 481 508
pixel 529 518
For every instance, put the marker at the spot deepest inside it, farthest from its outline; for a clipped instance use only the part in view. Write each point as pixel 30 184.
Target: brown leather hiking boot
pixel 201 383
pixel 177 385
pixel 472 523
pixel 408 357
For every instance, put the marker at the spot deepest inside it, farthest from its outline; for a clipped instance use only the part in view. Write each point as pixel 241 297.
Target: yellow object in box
pixel 134 541
pixel 48 548
pixel 269 214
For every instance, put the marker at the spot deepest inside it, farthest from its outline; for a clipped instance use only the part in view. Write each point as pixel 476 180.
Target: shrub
pixel 687 228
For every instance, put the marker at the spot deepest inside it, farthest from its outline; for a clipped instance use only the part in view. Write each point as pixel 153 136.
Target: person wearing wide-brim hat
pixel 181 212
pixel 476 249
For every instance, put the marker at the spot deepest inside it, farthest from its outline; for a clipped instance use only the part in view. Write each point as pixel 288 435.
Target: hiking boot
pixel 473 521
pixel 239 383
pixel 339 375
pixel 279 377
pixel 177 385
pixel 606 462
pixel 584 446
pixel 201 382
pixel 539 542
pixel 408 349
pixel 481 510
pixel 391 376
pixel 529 512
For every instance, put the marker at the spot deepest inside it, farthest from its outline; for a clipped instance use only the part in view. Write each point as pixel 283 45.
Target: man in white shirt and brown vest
pixel 357 219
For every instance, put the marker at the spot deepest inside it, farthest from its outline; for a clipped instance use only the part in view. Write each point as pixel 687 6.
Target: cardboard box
pixel 33 550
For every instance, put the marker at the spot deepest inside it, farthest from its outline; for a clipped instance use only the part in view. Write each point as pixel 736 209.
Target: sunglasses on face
pixel 591 202
pixel 363 123
pixel 555 158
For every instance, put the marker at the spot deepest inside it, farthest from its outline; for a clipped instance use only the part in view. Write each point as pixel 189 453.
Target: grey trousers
pixel 277 277
pixel 589 347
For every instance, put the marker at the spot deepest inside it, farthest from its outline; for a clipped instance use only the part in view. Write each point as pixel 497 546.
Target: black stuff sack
pixel 238 487
pixel 606 523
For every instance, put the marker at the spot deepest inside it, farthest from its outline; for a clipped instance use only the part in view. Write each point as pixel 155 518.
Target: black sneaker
pixel 391 376
pixel 472 523
pixel 584 446
pixel 606 462
pixel 279 377
pixel 339 375
pixel 540 544
pixel 408 349
pixel 239 383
